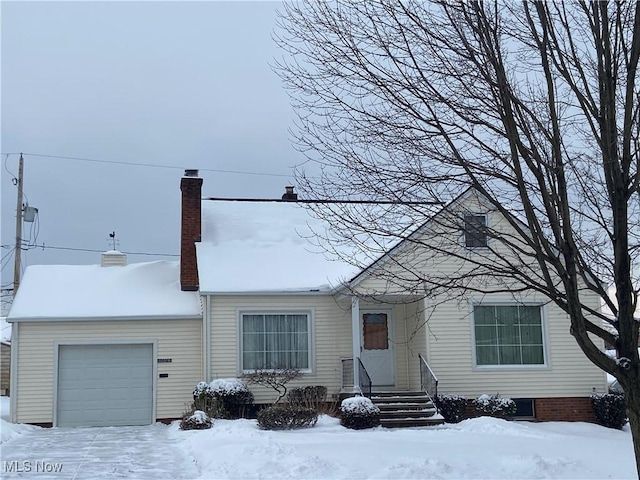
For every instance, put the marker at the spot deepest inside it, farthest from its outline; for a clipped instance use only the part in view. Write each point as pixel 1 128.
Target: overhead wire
pixel 151 165
pixel 94 250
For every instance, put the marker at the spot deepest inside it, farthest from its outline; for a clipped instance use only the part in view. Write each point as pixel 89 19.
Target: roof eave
pixel 104 319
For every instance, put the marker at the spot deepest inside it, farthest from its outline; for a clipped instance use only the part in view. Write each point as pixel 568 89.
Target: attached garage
pixel 102 385
pixel 104 345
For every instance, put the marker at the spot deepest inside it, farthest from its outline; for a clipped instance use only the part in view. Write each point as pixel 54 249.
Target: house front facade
pixel 253 291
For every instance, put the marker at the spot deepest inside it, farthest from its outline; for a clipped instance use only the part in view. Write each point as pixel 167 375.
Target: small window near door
pixel 376 331
pixel 475 230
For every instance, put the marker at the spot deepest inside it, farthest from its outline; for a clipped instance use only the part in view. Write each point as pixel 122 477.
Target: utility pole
pixel 18 250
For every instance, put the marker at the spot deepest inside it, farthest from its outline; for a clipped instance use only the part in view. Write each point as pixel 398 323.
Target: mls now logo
pixel 28 466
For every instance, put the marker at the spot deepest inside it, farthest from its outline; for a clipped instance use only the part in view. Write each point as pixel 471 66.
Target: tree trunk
pixel 632 397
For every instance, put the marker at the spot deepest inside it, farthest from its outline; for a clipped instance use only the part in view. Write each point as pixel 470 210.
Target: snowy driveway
pixel 147 452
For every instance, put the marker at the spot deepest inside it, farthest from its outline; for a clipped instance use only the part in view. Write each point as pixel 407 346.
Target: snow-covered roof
pixel 264 247
pixel 139 290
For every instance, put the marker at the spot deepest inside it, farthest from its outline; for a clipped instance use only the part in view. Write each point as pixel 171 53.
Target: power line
pixel 152 165
pixel 75 249
pixel 324 201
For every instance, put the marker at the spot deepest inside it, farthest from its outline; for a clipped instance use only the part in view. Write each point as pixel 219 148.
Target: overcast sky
pixel 171 84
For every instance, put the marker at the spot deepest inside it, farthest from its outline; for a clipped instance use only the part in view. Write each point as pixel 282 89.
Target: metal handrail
pixel 365 380
pixel 428 380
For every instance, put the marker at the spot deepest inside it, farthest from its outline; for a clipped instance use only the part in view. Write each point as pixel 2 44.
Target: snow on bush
pixel 227 386
pixel 223 398
pixel 358 413
pixel 358 405
pixel 197 420
pixel 451 407
pixel 495 406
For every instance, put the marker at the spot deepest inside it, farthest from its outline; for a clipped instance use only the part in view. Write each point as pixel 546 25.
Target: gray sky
pixel 167 83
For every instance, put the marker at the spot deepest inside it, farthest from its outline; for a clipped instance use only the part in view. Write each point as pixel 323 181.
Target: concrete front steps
pixel 405 409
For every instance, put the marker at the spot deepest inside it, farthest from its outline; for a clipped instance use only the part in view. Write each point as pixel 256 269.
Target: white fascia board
pixel 267 293
pixel 103 319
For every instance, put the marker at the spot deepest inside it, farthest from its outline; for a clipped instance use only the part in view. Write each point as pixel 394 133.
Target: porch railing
pixel 347 373
pixel 428 380
pixel 365 380
pixel 347 376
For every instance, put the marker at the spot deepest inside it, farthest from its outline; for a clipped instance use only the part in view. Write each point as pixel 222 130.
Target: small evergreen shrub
pixel 359 413
pixel 313 396
pixel 610 409
pixel 495 406
pixel 223 398
pixel 286 418
pixel 451 407
pixel 196 420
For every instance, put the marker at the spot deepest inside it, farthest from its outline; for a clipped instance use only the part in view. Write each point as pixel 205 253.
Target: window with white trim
pixel 508 335
pixel 475 230
pixel 275 341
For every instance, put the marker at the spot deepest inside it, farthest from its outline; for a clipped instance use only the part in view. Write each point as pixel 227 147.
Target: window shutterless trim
pixel 510 367
pixel 310 314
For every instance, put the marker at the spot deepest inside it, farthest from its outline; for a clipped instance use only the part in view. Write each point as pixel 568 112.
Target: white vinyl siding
pixel 179 340
pixel 330 336
pixel 449 327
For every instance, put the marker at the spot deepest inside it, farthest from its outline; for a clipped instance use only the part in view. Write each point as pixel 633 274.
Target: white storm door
pixel 377 348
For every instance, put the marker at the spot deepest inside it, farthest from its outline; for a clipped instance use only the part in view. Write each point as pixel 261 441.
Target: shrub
pixel 223 398
pixel 276 379
pixel 359 413
pixel 495 406
pixel 451 407
pixel 196 420
pixel 286 418
pixel 610 409
pixel 313 396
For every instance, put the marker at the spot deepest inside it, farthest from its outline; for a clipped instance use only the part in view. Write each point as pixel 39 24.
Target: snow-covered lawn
pixel 478 448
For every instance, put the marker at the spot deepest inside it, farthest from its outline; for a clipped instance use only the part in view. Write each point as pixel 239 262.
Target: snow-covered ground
pixel 478 448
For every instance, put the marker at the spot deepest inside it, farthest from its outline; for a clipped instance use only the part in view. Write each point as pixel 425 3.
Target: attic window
pixel 475 230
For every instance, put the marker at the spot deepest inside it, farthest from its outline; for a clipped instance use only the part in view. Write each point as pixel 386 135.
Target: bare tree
pixel 534 105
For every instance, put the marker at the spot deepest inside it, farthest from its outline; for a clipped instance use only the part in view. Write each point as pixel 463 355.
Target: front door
pixel 377 346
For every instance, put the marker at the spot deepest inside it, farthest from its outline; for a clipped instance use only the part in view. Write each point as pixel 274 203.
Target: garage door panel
pixel 101 385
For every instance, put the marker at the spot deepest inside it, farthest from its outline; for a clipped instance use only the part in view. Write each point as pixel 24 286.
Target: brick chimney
pixel 289 194
pixel 191 187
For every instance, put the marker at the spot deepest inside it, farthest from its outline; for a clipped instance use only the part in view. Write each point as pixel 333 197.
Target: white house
pixel 271 299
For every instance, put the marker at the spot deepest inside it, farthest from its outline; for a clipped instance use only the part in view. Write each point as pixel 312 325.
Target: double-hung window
pixel 275 341
pixel 508 335
pixel 475 230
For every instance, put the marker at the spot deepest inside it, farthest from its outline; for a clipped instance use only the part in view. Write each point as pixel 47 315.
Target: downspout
pixel 409 349
pixel 355 342
pixel 207 338
pixel 13 371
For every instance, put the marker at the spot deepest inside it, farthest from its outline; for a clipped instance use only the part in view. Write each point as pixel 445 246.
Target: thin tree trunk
pixel 632 398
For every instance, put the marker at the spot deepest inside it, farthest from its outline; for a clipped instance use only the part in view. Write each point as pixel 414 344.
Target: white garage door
pixel 102 385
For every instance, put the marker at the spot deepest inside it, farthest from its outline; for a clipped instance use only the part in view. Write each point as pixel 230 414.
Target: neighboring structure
pixel 271 299
pixel 5 368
